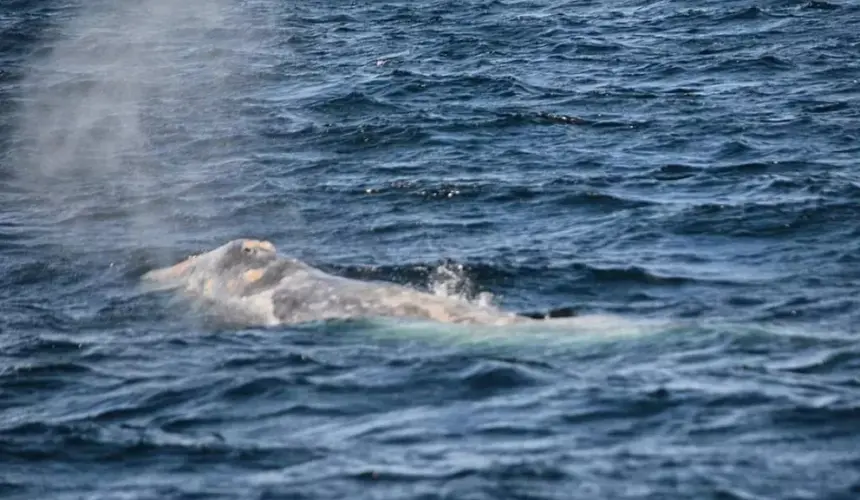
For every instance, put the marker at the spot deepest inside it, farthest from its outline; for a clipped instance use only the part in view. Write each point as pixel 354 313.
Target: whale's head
pixel 229 268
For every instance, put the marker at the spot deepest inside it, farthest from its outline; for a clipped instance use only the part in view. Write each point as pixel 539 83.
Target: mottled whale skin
pixel 250 282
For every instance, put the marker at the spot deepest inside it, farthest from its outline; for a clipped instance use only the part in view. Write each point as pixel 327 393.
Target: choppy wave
pixel 683 177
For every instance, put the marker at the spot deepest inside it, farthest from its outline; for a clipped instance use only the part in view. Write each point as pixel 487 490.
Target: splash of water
pixel 450 279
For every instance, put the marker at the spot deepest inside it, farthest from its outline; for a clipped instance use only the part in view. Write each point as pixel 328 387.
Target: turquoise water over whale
pixel 687 171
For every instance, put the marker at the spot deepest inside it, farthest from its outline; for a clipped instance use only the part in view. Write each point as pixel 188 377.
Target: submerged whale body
pixel 248 281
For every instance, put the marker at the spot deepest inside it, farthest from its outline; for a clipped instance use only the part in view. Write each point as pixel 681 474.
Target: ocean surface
pixel 694 164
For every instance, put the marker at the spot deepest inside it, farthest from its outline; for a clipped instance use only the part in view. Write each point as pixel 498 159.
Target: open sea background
pixel 692 161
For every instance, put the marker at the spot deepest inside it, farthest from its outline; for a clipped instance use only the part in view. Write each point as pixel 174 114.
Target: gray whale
pixel 249 281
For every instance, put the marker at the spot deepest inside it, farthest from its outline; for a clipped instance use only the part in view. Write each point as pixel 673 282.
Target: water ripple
pixel 620 162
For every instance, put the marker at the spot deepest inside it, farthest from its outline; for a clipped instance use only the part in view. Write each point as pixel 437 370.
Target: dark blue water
pixel 689 161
